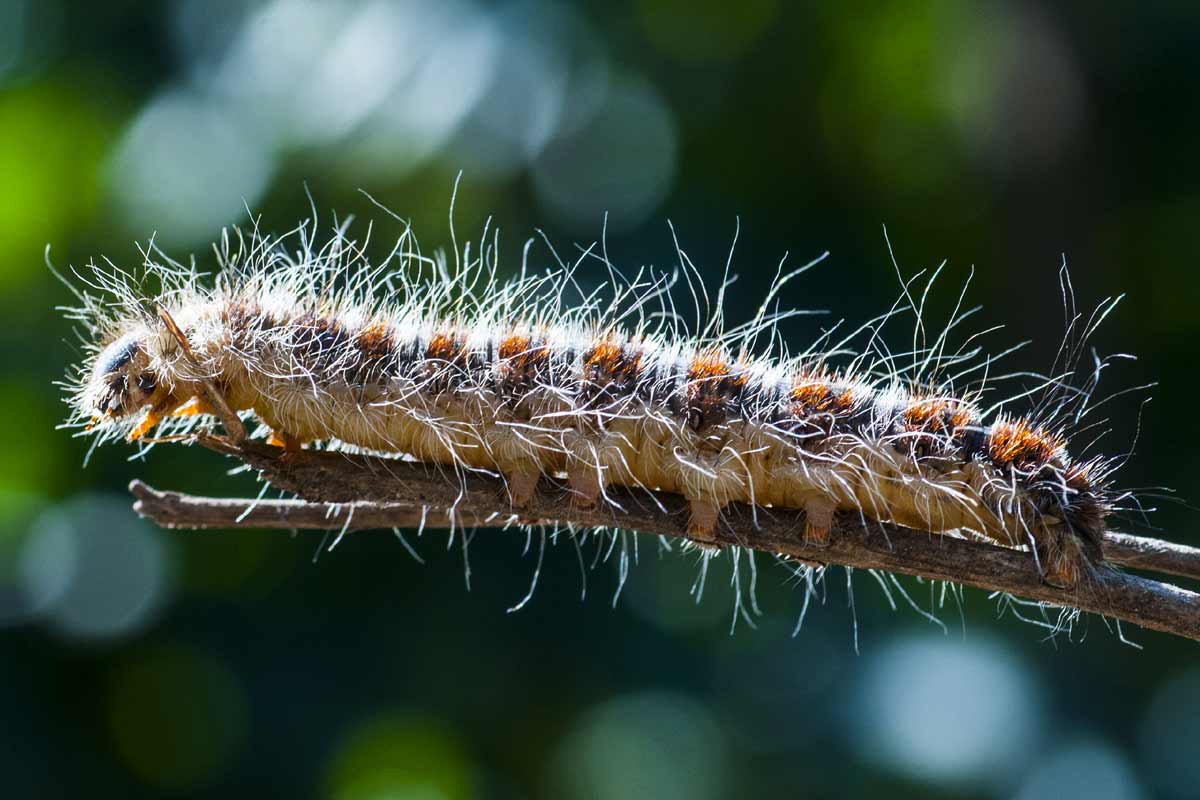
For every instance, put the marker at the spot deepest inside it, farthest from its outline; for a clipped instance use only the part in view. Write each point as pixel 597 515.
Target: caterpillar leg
pixel 702 524
pixel 291 444
pixel 158 413
pixel 818 520
pixel 154 416
pixel 193 407
pixel 586 483
pixel 147 425
pixel 522 483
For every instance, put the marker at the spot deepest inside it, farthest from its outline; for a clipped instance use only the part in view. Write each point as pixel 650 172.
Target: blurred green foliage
pixel 999 135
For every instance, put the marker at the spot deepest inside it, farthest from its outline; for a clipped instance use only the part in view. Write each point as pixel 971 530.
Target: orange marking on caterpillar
pixel 815 395
pixel 938 415
pixel 145 426
pixel 447 347
pixel 1019 443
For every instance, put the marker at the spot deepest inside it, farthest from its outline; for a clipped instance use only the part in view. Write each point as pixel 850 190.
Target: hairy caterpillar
pixel 447 363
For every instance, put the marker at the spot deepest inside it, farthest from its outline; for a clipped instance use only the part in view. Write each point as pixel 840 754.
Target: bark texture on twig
pixel 371 492
pixel 1152 555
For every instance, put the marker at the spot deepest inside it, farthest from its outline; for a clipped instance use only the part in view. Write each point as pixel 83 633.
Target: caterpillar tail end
pixel 1067 559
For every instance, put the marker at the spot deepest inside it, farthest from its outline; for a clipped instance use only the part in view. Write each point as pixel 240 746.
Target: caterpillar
pixel 447 362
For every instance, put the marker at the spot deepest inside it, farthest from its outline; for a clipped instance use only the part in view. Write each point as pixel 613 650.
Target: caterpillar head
pixel 122 380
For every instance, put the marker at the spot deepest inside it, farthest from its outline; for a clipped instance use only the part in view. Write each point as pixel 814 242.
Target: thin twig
pixel 386 493
pixel 175 510
pixel 1152 555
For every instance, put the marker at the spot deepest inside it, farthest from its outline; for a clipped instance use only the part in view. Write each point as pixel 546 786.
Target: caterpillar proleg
pixel 447 362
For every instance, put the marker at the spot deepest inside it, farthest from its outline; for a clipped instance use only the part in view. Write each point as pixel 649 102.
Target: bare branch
pixel 355 492
pixel 175 510
pixel 1152 555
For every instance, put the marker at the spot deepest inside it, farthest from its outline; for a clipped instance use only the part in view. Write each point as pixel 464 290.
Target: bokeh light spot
pixel 1169 733
pixel 186 167
pixel 177 716
pixel 622 161
pixel 396 757
pixel 665 746
pixel 94 569
pixel 456 52
pixel 656 593
pixel 923 96
pixel 1082 769
pixel 948 711
pixel 523 103
pixel 52 141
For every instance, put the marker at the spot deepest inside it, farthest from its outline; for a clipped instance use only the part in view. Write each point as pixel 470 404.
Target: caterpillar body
pixel 452 365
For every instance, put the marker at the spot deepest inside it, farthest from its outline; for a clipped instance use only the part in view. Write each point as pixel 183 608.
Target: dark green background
pixel 1004 136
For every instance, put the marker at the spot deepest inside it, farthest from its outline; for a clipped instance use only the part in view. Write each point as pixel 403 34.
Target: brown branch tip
pixel 348 492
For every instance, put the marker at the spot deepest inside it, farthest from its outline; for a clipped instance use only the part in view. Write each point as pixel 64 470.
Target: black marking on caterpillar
pixel 454 366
